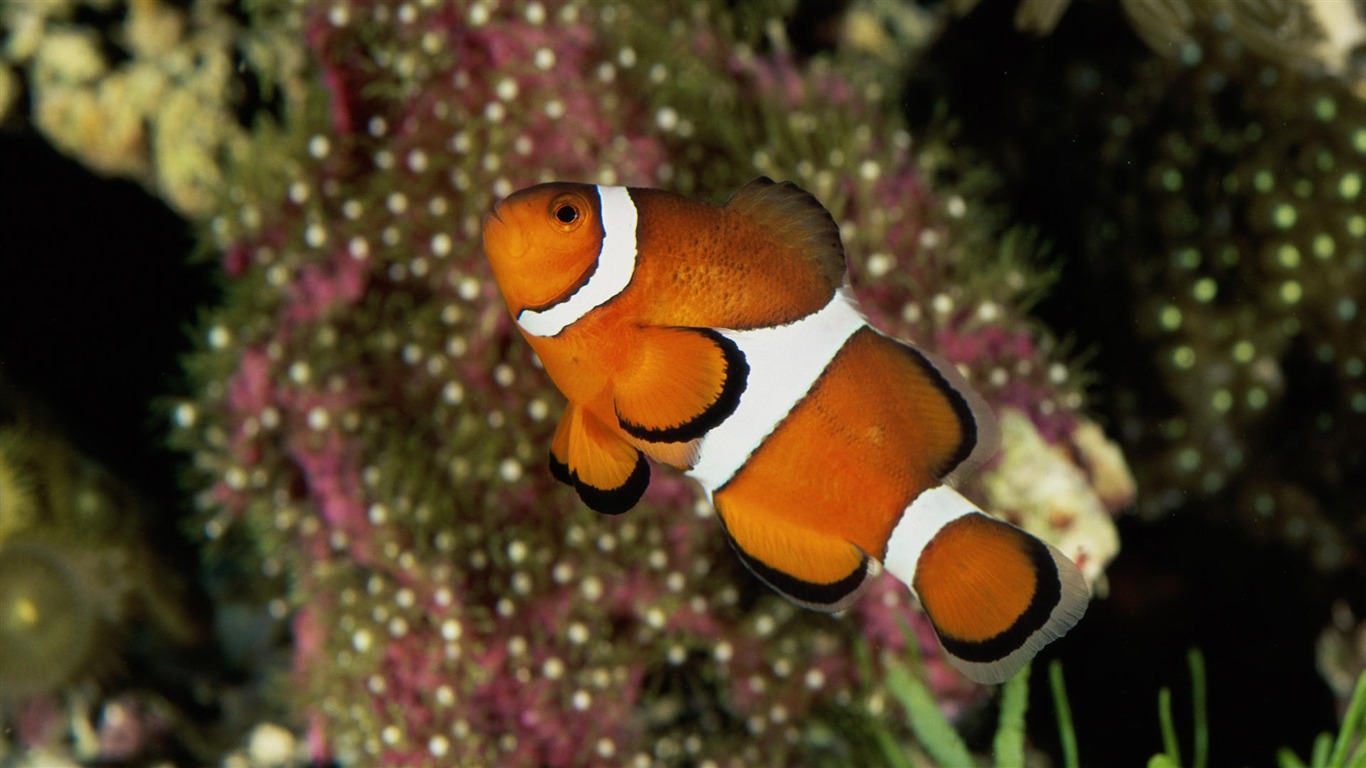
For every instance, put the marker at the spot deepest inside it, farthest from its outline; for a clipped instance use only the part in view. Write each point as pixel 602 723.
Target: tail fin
pixel 995 594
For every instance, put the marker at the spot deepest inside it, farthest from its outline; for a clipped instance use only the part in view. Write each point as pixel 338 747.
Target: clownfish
pixel 725 341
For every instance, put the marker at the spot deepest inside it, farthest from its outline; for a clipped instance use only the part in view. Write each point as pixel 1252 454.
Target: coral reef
pixel 367 425
pixel 368 435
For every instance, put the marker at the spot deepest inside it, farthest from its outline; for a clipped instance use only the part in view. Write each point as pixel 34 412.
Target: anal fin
pixel 609 474
pixel 559 448
pixel 680 383
pixel 812 569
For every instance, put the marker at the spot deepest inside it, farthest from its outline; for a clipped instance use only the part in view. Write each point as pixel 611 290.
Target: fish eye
pixel 567 212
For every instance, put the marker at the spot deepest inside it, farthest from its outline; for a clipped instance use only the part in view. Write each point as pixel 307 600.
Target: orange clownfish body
pixel 725 342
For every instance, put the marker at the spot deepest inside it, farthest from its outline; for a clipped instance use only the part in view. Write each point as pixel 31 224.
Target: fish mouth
pixel 503 245
pixel 494 228
pixel 494 214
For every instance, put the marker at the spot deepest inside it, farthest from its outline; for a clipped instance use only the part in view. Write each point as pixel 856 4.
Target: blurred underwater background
pixel 273 485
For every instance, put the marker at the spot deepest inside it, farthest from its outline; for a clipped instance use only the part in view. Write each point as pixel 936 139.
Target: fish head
pixel 543 242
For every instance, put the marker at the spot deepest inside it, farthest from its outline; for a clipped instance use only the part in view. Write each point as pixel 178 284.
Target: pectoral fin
pixel 680 384
pixel 609 474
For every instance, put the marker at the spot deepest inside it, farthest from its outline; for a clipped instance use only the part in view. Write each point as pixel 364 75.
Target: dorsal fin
pixel 796 218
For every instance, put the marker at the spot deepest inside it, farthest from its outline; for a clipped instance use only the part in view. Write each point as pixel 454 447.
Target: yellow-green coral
pixel 167 115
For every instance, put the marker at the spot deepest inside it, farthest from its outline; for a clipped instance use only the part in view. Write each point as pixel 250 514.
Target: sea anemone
pixel 50 624
pixel 75 574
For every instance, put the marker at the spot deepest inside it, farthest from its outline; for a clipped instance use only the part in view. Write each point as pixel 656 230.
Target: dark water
pixel 97 302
